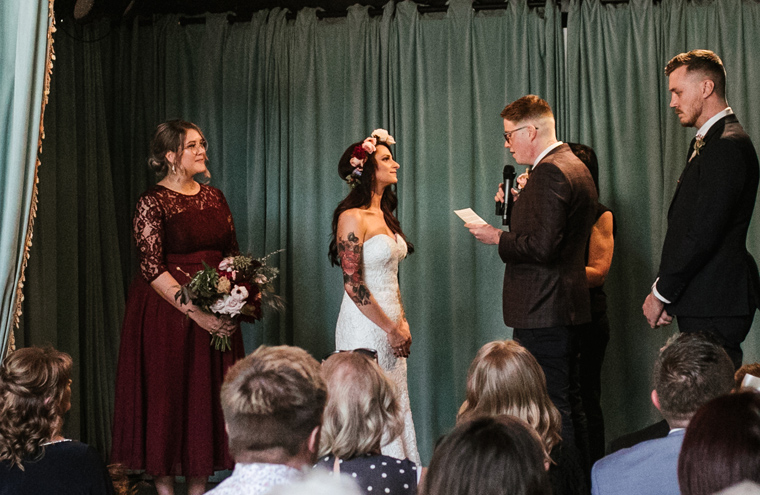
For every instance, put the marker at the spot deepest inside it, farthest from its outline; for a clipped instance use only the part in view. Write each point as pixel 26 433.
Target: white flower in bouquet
pixel 239 292
pixel 226 264
pixel 233 306
pixel 219 305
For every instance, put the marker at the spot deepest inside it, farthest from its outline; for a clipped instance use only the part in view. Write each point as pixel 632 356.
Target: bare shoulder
pixel 352 221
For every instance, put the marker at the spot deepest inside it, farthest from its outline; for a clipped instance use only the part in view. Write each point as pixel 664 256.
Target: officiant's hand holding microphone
pixel 488 234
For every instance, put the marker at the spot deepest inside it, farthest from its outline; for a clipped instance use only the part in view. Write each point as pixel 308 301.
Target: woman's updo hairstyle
pixel 170 136
pixel 34 396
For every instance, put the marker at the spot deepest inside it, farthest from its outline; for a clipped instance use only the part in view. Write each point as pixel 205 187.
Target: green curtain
pixel 451 76
pixel 23 65
pixel 74 298
pixel 618 97
pixel 280 100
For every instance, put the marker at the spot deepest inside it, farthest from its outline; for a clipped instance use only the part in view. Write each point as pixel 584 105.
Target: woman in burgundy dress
pixel 167 415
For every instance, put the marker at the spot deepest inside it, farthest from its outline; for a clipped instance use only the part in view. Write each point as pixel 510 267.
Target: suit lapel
pixel 717 128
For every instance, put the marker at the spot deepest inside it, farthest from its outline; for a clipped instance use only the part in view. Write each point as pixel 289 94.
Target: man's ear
pixel 656 400
pixel 314 439
pixel 708 87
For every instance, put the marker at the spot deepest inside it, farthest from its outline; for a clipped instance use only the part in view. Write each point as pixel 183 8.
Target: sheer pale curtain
pixel 618 102
pixel 24 65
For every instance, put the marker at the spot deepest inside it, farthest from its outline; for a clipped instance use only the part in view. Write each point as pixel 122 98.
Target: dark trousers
pixel 556 350
pixel 729 331
pixel 592 344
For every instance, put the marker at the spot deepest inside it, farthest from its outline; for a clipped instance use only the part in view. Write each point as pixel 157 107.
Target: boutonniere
pixel 699 144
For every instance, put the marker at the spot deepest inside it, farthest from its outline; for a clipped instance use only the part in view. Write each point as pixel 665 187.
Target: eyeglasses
pixel 196 147
pixel 508 135
pixel 370 353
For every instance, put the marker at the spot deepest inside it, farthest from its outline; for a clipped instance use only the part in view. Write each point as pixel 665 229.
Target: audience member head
pixel 168 146
pixel 273 401
pixel 362 411
pixel 722 445
pixel 488 456
pixel 587 155
pixel 504 378
pixel 689 371
pixel 35 393
pixel 702 63
pixel 529 128
pixel 746 369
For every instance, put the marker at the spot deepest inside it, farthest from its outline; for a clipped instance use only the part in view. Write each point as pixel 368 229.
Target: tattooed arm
pixel 350 240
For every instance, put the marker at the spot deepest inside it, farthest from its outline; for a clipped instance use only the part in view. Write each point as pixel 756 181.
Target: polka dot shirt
pixel 377 474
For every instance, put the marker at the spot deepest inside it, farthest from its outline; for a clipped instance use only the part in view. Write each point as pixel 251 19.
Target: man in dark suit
pixel 707 279
pixel 545 293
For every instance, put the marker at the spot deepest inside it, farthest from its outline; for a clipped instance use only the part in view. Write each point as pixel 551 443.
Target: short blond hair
pixel 362 408
pixel 504 378
pixel 529 107
pixel 273 398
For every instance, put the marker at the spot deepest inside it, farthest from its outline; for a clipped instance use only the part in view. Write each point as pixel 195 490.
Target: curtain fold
pixel 26 61
pixel 74 298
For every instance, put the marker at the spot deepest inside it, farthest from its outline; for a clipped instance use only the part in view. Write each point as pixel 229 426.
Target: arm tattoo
pixel 350 254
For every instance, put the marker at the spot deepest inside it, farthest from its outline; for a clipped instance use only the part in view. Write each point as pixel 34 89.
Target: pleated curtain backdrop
pixel 618 97
pixel 280 100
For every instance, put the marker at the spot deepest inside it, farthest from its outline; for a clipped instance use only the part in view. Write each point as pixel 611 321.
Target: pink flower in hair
pixel 369 145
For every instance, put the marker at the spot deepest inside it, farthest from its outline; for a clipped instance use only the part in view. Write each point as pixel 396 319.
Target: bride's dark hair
pixel 361 196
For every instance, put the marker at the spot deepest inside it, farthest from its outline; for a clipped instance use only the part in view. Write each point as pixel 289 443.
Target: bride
pixel 368 243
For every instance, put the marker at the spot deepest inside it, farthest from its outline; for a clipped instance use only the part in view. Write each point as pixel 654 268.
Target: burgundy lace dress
pixel 167 414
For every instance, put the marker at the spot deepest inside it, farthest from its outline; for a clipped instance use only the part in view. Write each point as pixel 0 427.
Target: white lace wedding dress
pixel 381 255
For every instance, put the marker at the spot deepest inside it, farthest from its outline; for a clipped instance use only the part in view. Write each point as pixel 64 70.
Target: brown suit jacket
pixel 545 272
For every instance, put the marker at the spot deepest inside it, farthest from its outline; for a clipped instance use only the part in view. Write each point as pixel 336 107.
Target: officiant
pixel 545 296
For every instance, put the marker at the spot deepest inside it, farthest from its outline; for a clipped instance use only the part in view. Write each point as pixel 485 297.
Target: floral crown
pixel 362 152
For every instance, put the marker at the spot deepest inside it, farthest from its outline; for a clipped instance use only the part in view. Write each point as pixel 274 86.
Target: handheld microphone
pixel 506 207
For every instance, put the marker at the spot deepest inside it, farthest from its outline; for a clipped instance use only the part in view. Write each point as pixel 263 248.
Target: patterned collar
pixel 256 478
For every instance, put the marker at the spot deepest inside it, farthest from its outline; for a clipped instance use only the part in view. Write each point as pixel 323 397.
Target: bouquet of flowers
pixel 239 288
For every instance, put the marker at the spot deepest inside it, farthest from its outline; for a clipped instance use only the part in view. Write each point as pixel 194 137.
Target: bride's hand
pixel 400 339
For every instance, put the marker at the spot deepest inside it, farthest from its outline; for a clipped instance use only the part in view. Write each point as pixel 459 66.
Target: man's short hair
pixel 273 398
pixel 691 370
pixel 703 61
pixel 529 107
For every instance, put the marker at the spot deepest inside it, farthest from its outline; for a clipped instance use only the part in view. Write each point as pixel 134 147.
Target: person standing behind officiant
pixel 707 278
pixel 167 414
pixel 368 244
pixel 545 295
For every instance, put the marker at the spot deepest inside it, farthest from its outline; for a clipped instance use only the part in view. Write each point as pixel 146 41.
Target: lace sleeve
pixel 148 229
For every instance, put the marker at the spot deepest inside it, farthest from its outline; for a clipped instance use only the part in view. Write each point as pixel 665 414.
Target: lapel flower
pixel 699 144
